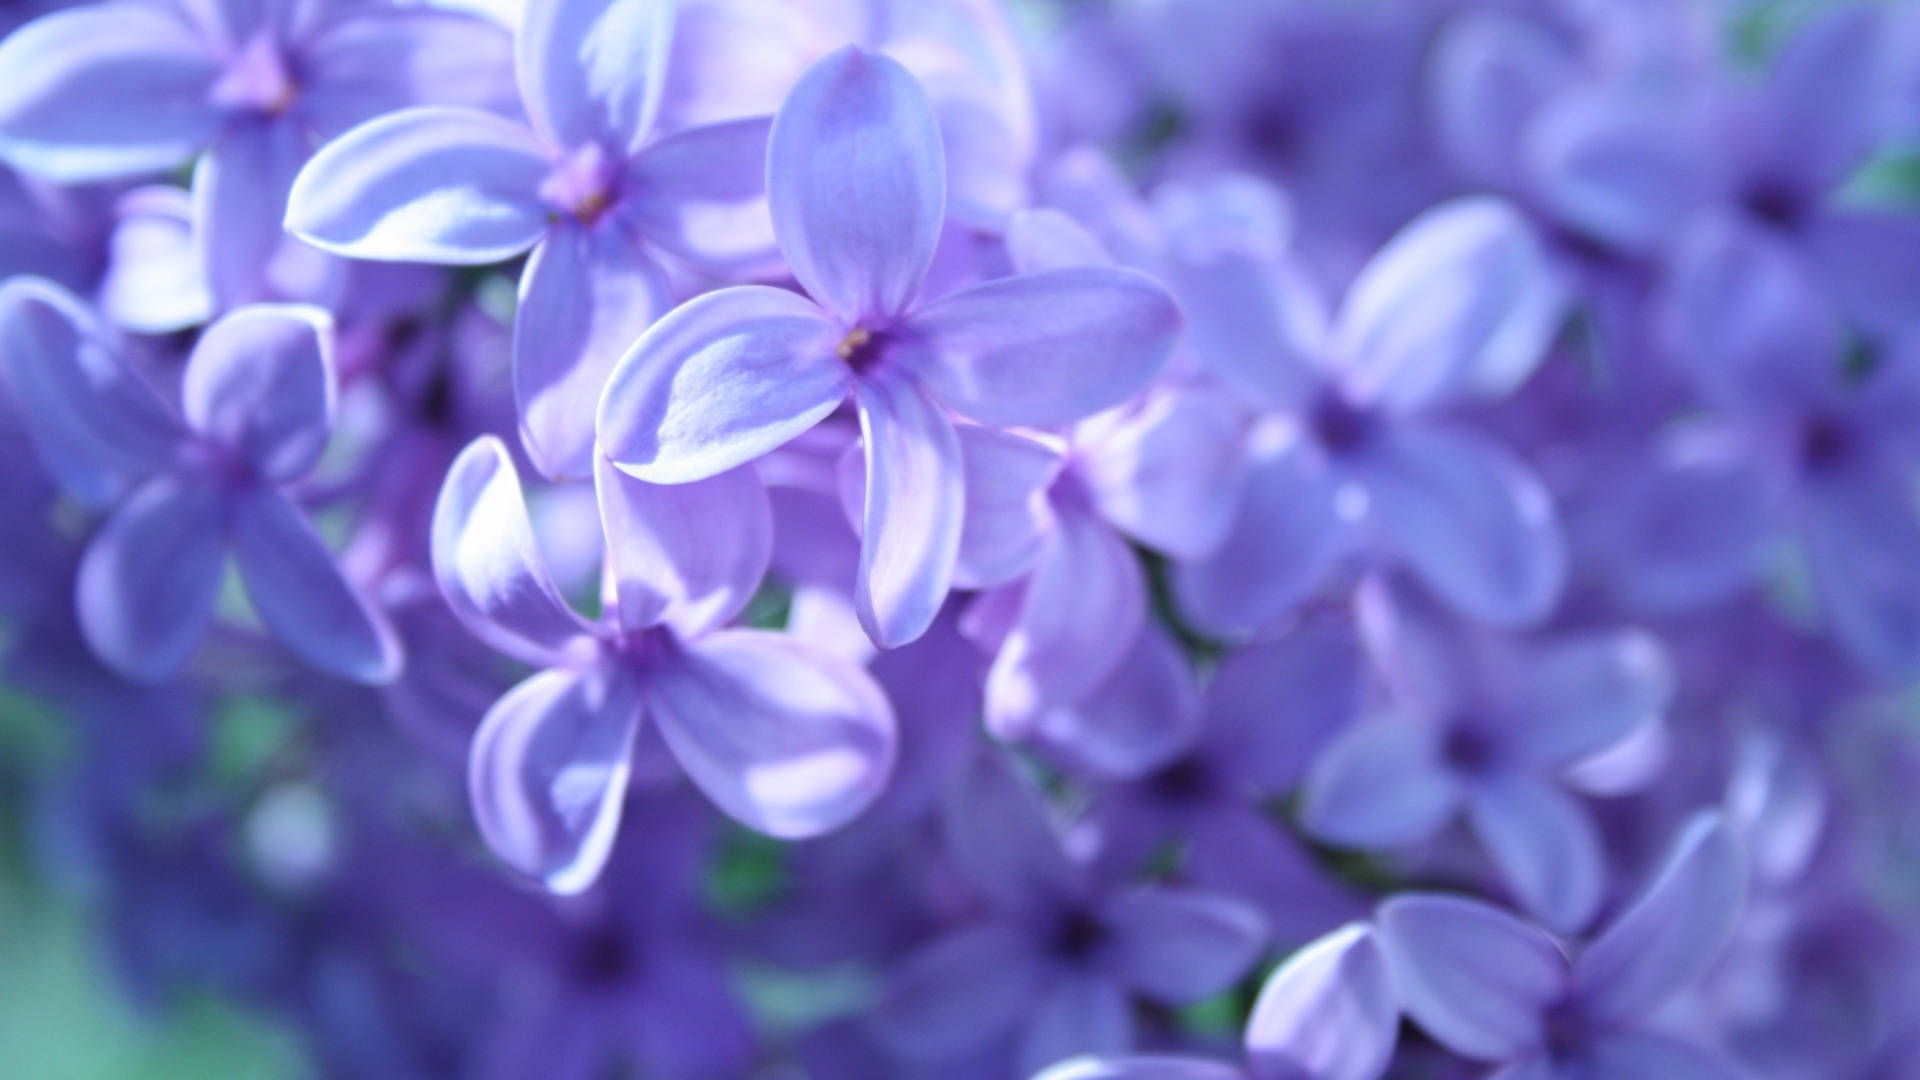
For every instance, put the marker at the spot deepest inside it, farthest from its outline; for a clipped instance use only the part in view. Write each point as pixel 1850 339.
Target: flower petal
pixel 1859 528
pixel 591 71
pixel 915 498
pixel 719 381
pixel 787 739
pixel 1256 322
pixel 150 576
pixel 1674 931
pixel 690 555
pixel 1463 298
pixel 1583 695
pixel 1169 473
pixel 1142 717
pixel 1178 946
pixel 1041 350
pixel 1002 838
pixel 104 91
pixel 428 184
pixel 548 774
pixel 386 59
pixel 1008 516
pixel 1545 845
pixel 301 596
pixel 1286 535
pixel 1273 705
pixel 857 184
pixel 1379 785
pixel 154 283
pixel 94 423
pixel 1140 1067
pixel 1473 522
pixel 702 195
pixel 958 994
pixel 488 564
pixel 240 206
pixel 586 295
pixel 1047 239
pixel 1619 166
pixel 1084 606
pixel 1078 1013
pixel 1472 976
pixel 1328 1013
pixel 1640 1055
pixel 261 382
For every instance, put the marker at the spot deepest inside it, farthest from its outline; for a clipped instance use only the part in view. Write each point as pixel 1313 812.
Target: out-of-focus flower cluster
pixel 1153 540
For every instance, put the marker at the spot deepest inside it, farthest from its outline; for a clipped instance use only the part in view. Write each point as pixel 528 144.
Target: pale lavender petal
pixel 1084 605
pixel 1244 851
pixel 104 91
pixel 488 564
pixel 1008 516
pixel 1272 706
pixel 591 71
pixel 95 425
pixel 1328 1013
pixel 1045 349
pixel 1259 324
pixel 856 180
pixel 1583 695
pixel 958 993
pixel 719 381
pixel 1674 931
pixel 1472 976
pixel 1078 1013
pixel 1544 844
pixel 586 295
pixel 1178 946
pixel 1641 1055
pixel 1001 837
pixel 1046 239
pixel 915 498
pixel 261 383
pixel 1142 717
pixel 1463 298
pixel 1870 258
pixel 1829 95
pixel 1689 527
pixel 1379 785
pixel 702 195
pixel 390 58
pixel 1140 1067
pixel 300 594
pixel 1617 165
pixel 548 773
pixel 1169 473
pixel 154 283
pixel 240 206
pixel 689 555
pixel 1286 536
pixel 1492 69
pixel 1860 533
pixel 149 578
pixel 1471 520
pixel 430 184
pixel 786 738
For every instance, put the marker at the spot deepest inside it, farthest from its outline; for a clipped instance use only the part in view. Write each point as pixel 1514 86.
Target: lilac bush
pixel 1171 540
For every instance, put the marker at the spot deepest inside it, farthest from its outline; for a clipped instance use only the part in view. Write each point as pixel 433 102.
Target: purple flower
pixel 102 91
pixel 1052 961
pixel 857 183
pixel 1459 304
pixel 786 738
pixel 258 404
pixel 589 185
pixel 1485 728
pixel 1494 989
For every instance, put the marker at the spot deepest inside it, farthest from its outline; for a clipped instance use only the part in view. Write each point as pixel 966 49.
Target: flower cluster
pixel 1167 540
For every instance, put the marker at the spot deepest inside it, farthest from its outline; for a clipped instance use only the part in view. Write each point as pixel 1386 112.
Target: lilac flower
pixel 1460 300
pixel 258 402
pixel 786 738
pixel 601 199
pixel 1052 961
pixel 1494 989
pixel 102 91
pixel 1484 728
pixel 1796 444
pixel 857 184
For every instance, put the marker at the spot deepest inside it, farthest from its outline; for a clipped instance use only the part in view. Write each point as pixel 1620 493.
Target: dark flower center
pixel 862 349
pixel 1077 935
pixel 1185 781
pixel 605 956
pixel 1340 425
pixel 1273 130
pixel 1775 202
pixel 1469 748
pixel 1825 442
pixel 1565 1027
